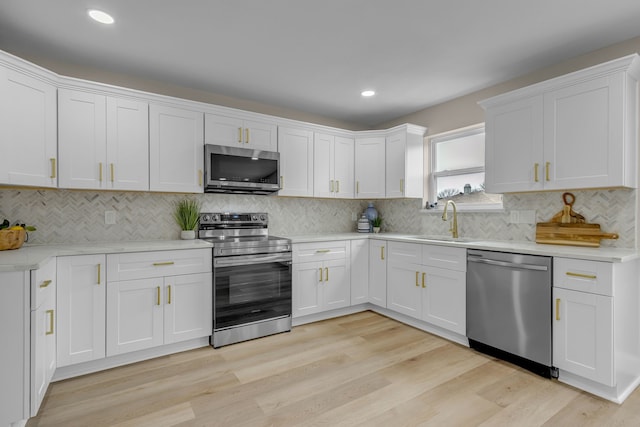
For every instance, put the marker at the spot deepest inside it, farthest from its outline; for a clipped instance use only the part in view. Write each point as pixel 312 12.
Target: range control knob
pixel 263 217
pixel 215 218
pixel 254 217
pixel 205 218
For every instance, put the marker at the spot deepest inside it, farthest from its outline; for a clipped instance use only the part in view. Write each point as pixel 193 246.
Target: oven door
pixel 251 288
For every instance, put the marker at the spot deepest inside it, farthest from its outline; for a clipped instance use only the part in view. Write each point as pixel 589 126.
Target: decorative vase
pixel 188 234
pixel 376 229
pixel 371 213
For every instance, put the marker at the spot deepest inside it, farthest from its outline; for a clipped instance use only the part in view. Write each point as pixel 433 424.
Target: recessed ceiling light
pixel 100 16
pixel 368 93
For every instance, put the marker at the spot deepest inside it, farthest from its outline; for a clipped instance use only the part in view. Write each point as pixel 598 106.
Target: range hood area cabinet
pixel 570 132
pixel 237 132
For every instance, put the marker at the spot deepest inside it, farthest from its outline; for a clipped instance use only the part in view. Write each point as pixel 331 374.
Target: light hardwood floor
pixel 363 369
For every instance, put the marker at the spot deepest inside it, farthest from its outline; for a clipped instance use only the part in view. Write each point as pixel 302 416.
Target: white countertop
pixel 32 257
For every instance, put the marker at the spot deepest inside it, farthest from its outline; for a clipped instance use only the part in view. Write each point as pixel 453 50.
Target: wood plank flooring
pixel 358 370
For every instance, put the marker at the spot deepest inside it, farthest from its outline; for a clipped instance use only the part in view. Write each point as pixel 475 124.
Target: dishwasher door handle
pixel 508 264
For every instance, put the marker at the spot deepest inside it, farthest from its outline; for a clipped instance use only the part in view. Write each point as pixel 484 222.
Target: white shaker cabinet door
pixel 28 137
pixel 444 299
pixel 359 271
pixel 82 292
pixel 187 307
pixel 403 289
pixel 336 284
pixel 370 168
pixel 323 165
pixel 378 272
pixel 296 162
pixel 176 149
pixel 343 161
pixel 82 139
pixel 127 144
pixel 395 164
pixel 306 290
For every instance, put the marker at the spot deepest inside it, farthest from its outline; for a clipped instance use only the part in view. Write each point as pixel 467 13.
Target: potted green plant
pixel 376 223
pixel 187 215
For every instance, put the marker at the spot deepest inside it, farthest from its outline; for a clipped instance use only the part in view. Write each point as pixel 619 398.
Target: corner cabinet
pixel 370 164
pixel 156 298
pixel 28 137
pixel 596 326
pixel 176 149
pixel 574 131
pixel 405 163
pixel 321 277
pixel 378 272
pixel 359 271
pixel 296 162
pixel 241 133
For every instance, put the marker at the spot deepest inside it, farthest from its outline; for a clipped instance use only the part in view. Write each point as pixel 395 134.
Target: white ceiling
pixel 317 56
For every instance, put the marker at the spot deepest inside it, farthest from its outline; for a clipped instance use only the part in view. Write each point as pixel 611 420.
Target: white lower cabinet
pixel 378 272
pixel 158 306
pixel 82 292
pixel 359 271
pixel 583 335
pixel 43 332
pixel 416 288
pixel 321 277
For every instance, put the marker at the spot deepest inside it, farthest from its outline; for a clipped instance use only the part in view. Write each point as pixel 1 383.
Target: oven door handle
pixel 252 259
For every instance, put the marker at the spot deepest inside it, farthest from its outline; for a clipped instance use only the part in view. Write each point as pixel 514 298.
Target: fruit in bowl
pixel 12 237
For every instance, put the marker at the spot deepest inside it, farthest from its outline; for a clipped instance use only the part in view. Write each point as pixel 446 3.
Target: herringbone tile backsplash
pixel 64 216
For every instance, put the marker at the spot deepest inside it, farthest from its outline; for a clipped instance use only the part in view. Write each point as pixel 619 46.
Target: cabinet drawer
pixel 142 265
pixel 585 276
pixel 405 253
pixel 320 251
pixel 444 257
pixel 43 283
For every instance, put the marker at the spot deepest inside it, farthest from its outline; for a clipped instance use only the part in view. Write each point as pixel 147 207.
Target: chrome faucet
pixel 454 223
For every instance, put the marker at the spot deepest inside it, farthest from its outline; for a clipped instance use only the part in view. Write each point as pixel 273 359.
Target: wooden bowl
pixel 11 239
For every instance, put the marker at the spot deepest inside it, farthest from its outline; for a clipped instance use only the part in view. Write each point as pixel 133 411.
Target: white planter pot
pixel 188 234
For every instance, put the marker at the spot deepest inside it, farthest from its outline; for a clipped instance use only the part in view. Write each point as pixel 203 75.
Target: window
pixel 457 169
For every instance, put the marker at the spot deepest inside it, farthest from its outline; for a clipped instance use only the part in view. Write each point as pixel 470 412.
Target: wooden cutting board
pixel 576 234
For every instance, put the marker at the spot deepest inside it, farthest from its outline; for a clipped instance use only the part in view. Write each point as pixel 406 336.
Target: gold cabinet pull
pixel 158 294
pixel 99 268
pixel 53 168
pixel 246 133
pixel 546 170
pixel 583 276
pixel 200 177
pixel 326 274
pixel 158 264
pixel 240 135
pixel 331 186
pixel 100 171
pixel 423 276
pixel 402 185
pixel 417 274
pixel 337 186
pixel 111 166
pixel 320 274
pixel 535 172
pixel 323 251
pixel 50 314
pixel 357 187
pixel 382 253
pixel 45 283
pixel 557 308
pixel 169 294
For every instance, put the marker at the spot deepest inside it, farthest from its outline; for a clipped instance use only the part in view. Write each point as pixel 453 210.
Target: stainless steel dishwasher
pixel 509 308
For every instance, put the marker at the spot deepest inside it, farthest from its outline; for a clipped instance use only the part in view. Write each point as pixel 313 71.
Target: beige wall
pixel 465 111
pixel 154 86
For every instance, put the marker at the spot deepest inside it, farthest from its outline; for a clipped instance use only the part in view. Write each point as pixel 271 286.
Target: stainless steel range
pixel 251 277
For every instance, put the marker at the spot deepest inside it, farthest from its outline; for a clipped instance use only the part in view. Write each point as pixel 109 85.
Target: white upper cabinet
pixel 296 162
pixel 574 131
pixel 333 163
pixel 370 167
pixel 27 130
pixel 405 164
pixel 102 141
pixel 237 132
pixel 176 149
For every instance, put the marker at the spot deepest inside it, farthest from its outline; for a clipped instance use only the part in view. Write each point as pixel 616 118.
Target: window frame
pixel 431 176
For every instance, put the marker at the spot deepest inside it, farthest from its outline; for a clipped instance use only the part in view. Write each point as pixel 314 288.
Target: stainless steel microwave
pixel 240 170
